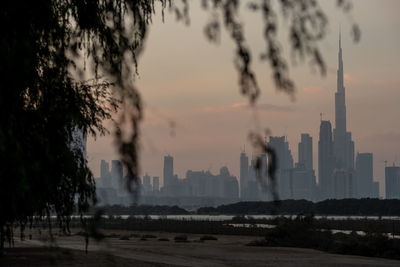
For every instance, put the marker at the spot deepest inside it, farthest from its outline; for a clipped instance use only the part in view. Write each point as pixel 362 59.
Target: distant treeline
pixel 142 210
pixel 361 207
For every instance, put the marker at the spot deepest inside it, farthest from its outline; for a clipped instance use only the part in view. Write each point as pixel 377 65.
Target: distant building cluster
pixel 341 173
pixel 110 186
pixel 197 188
pixel 199 183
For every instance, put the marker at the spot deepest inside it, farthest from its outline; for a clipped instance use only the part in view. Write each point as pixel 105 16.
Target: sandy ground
pixel 226 251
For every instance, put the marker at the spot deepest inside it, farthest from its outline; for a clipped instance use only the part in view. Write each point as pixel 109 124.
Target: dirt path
pixel 226 251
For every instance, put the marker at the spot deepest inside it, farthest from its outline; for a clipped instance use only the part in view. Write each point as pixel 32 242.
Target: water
pixel 229 217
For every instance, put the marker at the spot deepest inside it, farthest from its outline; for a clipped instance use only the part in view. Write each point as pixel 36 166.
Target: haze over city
pixel 198 115
pixel 200 133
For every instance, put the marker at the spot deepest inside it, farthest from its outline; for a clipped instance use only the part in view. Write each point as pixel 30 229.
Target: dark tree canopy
pixel 66 66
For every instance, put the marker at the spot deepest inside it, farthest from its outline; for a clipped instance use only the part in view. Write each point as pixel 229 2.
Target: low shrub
pixel 181 238
pixel 135 235
pixel 124 237
pixel 208 237
pixel 149 236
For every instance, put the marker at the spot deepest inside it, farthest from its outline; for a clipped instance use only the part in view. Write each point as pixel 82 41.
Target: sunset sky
pixel 187 80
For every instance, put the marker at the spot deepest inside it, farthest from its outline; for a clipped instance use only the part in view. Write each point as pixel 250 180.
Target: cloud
pixel 271 107
pixel 263 106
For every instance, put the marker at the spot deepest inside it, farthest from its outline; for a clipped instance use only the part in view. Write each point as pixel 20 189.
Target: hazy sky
pixel 185 79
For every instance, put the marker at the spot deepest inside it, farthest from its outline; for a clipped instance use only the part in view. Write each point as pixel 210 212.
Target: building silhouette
pixel 169 187
pixel 110 187
pixel 364 174
pixel 342 140
pixel 305 150
pixel 244 175
pixel 116 176
pixel 303 180
pixel 343 145
pixel 392 182
pixel 168 171
pixel 156 185
pixel 105 174
pixel 146 185
pixel 326 160
pixel 303 184
pixel 284 165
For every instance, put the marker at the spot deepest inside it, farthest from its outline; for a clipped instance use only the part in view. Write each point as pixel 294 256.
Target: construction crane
pixel 386 162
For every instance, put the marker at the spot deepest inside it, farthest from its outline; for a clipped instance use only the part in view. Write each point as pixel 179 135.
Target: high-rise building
pixel 230 186
pixel 168 170
pixel 375 190
pixel 104 168
pixel 244 175
pixel 146 184
pixel 342 184
pixel 284 164
pixel 303 176
pixel 342 140
pixel 306 152
pixel 156 184
pixel 105 174
pixel 392 182
pixel 364 174
pixel 282 150
pixel 116 175
pixel 253 192
pixel 110 187
pixel 325 160
pixel 303 185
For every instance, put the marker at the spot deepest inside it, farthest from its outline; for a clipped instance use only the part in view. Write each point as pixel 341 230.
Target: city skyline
pixel 204 133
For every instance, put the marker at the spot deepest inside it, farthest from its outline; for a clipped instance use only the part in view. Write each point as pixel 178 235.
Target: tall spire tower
pixel 340 96
pixel 343 144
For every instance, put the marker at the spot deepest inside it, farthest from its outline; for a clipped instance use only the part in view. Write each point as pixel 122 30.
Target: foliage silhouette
pixel 57 60
pixel 346 207
pixel 302 232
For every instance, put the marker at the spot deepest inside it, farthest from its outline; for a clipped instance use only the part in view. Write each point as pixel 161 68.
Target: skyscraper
pixel 325 160
pixel 306 152
pixel 104 168
pixel 303 176
pixel 168 170
pixel 244 175
pixel 116 175
pixel 170 186
pixel 342 184
pixel 282 150
pixel 105 173
pixel 146 184
pixel 343 143
pixel 392 182
pixel 364 174
pixel 156 184
pixel 285 165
